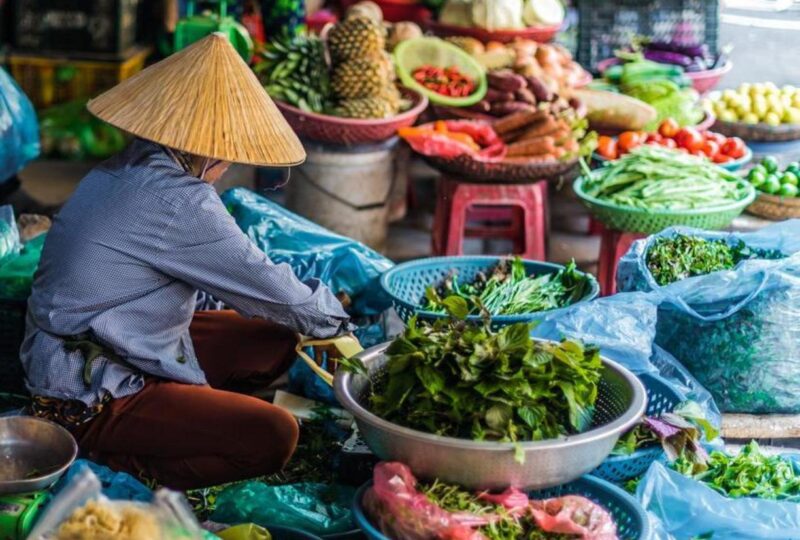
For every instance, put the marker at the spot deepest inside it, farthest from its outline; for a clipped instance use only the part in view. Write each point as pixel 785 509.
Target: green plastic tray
pixel 637 220
pixel 414 53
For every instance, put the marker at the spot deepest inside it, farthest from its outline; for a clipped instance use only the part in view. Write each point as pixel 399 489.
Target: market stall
pixel 491 395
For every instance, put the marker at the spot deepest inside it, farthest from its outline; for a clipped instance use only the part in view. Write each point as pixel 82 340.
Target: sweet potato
pixel 539 89
pixel 483 106
pixel 523 94
pixel 493 95
pixel 503 108
pixel 532 147
pixel 518 120
pixel 504 80
pixel 543 127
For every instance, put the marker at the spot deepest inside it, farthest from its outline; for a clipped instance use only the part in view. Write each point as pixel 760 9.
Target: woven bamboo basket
pixel 774 207
pixel 758 132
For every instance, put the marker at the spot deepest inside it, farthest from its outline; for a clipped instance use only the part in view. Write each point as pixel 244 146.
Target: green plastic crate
pixel 195 27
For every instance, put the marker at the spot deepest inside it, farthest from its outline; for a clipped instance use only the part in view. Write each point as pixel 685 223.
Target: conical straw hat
pixel 206 101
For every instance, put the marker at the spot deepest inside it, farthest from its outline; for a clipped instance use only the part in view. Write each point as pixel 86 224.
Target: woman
pixel 114 350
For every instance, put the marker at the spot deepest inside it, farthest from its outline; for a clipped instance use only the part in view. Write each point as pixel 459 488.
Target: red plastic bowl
pixel 542 34
pixel 702 81
pixel 398 10
pixel 349 131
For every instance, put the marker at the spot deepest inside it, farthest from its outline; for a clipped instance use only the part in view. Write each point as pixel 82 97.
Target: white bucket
pixel 347 190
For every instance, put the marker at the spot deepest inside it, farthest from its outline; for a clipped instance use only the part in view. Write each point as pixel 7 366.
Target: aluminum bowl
pixel 34 453
pixel 488 465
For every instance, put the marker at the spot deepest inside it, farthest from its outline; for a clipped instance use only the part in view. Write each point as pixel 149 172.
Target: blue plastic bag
pixel 312 251
pixel 118 486
pixel 687 508
pixel 19 129
pixel 624 327
pixel 736 331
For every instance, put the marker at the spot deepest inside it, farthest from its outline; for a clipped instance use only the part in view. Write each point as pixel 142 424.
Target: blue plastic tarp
pixel 312 251
pixel 19 129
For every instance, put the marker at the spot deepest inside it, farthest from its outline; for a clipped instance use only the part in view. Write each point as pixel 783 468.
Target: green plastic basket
pixel 414 53
pixel 638 220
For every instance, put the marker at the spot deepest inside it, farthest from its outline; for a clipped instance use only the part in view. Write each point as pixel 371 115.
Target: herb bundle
pixel 681 256
pixel 748 474
pixel 459 380
pixel 508 290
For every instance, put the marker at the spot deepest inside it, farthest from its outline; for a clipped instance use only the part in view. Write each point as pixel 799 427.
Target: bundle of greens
pixel 405 510
pixel 460 380
pixel 657 178
pixel 748 474
pixel 678 432
pixel 672 259
pixel 508 290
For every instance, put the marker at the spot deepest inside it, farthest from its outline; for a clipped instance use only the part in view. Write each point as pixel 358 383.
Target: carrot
pixel 532 147
pixel 544 127
pixel 571 145
pixel 517 120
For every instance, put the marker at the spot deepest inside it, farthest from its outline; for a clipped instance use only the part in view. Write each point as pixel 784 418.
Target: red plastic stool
pixel 613 245
pixel 517 212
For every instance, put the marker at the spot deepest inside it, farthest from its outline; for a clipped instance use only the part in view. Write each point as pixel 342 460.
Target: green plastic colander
pixel 643 221
pixel 427 51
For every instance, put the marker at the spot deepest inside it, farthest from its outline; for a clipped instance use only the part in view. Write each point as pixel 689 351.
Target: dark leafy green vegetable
pixel 679 257
pixel 748 474
pixel 508 290
pixel 460 380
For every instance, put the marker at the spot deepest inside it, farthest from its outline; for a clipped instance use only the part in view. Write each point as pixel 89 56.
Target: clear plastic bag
pixel 736 331
pixel 686 509
pixel 17 270
pixel 343 264
pixel 9 234
pixel 19 129
pixel 81 511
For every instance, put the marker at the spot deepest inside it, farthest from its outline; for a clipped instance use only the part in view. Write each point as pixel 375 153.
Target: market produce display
pixel 759 103
pixel 466 381
pixel 657 178
pixel 750 473
pixel 671 259
pixel 714 146
pixel 768 178
pixel 501 14
pixel 663 86
pixel 507 290
pixel 403 508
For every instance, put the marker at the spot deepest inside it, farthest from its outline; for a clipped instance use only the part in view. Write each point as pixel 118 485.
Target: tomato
pixel 690 139
pixel 718 138
pixel 669 143
pixel 669 128
pixel 710 148
pixel 722 158
pixel 734 147
pixel 607 147
pixel 698 153
pixel 654 138
pixel 629 140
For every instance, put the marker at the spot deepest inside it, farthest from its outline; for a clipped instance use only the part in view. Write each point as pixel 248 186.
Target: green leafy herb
pixel 748 474
pixel 508 290
pixel 460 380
pixel 672 259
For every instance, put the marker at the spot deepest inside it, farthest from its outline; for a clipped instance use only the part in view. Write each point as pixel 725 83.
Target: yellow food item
pixel 102 521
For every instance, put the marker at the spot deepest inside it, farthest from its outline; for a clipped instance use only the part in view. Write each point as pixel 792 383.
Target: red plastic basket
pixel 542 34
pixel 349 131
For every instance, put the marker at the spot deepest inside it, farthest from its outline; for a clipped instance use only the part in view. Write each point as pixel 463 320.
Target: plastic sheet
pixel 315 508
pixel 17 270
pixel 312 251
pixel 736 331
pixel 19 130
pixel 687 508
pixel 114 485
pixel 9 234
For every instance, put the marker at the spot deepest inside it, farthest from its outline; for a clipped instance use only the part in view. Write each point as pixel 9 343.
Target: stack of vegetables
pixel 714 146
pixel 768 178
pixel 663 86
pixel 501 14
pixel 757 103
pixel 508 290
pixel 691 58
pixel 656 178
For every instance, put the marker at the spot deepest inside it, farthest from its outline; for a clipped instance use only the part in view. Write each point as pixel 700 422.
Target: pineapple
pixel 371 107
pixel 360 79
pixel 356 37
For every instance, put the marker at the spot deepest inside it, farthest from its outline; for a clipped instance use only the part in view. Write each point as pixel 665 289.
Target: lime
pixel 771 185
pixel 789 178
pixel 788 190
pixel 794 168
pixel 756 177
pixel 770 164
